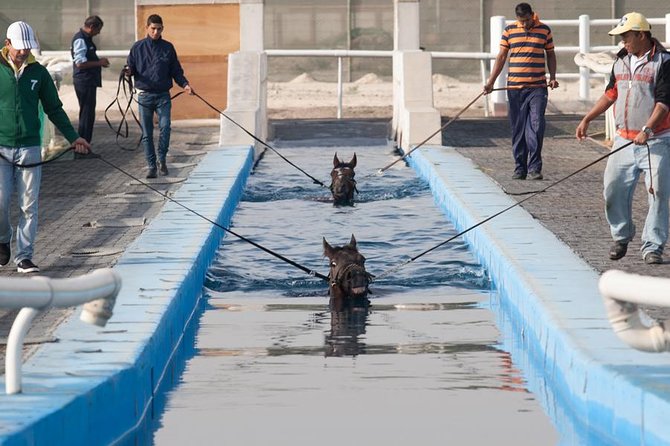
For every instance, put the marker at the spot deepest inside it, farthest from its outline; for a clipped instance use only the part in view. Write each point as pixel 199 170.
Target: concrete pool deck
pixel 553 300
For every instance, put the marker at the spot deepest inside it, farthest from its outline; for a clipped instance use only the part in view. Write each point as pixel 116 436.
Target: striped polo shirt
pixel 527 52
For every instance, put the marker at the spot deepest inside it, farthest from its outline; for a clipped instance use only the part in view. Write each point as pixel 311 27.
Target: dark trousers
pixel 86 97
pixel 526 115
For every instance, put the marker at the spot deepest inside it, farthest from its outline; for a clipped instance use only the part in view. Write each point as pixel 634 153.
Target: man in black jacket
pixel 153 63
pixel 87 73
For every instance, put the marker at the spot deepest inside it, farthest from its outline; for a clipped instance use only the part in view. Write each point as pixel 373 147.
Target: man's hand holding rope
pixel 82 146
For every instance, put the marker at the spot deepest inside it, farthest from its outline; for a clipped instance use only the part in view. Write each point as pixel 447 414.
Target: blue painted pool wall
pixel 551 297
pixel 95 384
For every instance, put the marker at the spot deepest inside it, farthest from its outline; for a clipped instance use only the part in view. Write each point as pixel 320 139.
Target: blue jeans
pixel 27 185
pixel 526 115
pixel 159 103
pixel 621 176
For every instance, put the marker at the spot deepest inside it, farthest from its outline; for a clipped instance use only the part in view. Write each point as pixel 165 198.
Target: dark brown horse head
pixel 343 184
pixel 348 279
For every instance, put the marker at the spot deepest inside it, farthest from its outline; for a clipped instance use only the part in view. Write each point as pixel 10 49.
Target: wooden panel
pixel 203 36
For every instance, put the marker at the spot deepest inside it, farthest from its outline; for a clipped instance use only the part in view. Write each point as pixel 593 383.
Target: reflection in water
pixel 346 330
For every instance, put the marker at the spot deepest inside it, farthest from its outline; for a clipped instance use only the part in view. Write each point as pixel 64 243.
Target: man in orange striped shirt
pixel 530 47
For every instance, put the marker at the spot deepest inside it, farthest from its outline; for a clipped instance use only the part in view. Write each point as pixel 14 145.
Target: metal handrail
pixel 97 290
pixel 622 293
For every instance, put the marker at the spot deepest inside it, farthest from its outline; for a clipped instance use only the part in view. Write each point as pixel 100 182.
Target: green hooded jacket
pixel 19 104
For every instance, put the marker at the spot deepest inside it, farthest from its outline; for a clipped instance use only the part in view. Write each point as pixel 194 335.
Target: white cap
pixel 22 36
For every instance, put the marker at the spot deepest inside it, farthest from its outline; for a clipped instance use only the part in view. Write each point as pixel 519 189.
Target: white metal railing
pixel 33 295
pixel 497 23
pixel 583 23
pixel 622 293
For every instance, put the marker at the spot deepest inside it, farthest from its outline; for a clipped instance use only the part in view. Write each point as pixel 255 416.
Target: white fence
pixel 583 25
pixel 497 24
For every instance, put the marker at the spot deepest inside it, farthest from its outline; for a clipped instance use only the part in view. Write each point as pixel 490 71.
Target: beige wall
pixel 203 35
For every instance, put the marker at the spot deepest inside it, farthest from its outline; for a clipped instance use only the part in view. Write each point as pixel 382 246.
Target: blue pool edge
pixel 618 394
pixel 95 386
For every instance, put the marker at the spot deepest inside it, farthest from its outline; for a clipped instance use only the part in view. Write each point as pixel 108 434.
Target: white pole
pixel 584 48
pixel 339 88
pixel 13 361
pixel 498 98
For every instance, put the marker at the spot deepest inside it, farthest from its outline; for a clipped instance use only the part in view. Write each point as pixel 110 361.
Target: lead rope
pixel 651 174
pixel 388 166
pixel 229 231
pixel 39 163
pixel 397 267
pixel 259 140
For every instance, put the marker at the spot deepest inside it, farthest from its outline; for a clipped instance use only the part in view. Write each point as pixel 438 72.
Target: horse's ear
pixel 352 163
pixel 352 242
pixel 336 162
pixel 327 249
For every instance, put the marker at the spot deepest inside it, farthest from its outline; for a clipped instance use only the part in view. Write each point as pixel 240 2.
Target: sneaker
pixel 162 168
pixel 519 176
pixel 27 266
pixel 652 258
pixel 618 250
pixel 5 253
pixel 151 173
pixel 535 176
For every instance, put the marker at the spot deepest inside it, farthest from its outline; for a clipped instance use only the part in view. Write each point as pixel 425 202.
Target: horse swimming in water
pixel 343 184
pixel 348 280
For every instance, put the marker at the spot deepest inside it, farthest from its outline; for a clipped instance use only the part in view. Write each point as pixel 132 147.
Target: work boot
pixel 618 250
pixel 5 253
pixel 151 173
pixel 535 176
pixel 519 176
pixel 652 258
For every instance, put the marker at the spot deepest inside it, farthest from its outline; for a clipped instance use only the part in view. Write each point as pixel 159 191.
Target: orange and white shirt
pixel 527 52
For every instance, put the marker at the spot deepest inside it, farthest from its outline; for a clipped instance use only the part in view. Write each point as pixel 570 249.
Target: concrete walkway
pixel 574 209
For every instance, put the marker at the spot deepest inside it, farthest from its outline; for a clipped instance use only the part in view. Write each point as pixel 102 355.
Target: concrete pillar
pixel 498 99
pixel 417 117
pixel 407 25
pixel 414 117
pixel 251 25
pixel 247 83
pixel 247 100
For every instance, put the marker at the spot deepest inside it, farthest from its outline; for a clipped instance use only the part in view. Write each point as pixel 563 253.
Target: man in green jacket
pixel 24 83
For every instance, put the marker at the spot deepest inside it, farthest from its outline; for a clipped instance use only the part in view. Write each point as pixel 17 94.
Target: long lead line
pixel 263 248
pixel 397 267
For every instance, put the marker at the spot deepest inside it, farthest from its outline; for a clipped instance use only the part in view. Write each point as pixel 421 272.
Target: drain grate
pixel 159 180
pixel 134 198
pixel 116 223
pixel 33 340
pixel 188 153
pixel 181 165
pixel 95 252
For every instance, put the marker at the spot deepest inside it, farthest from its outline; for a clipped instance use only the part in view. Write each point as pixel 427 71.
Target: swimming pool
pixel 425 364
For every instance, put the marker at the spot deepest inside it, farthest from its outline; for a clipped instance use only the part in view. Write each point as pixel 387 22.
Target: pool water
pixel 425 364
